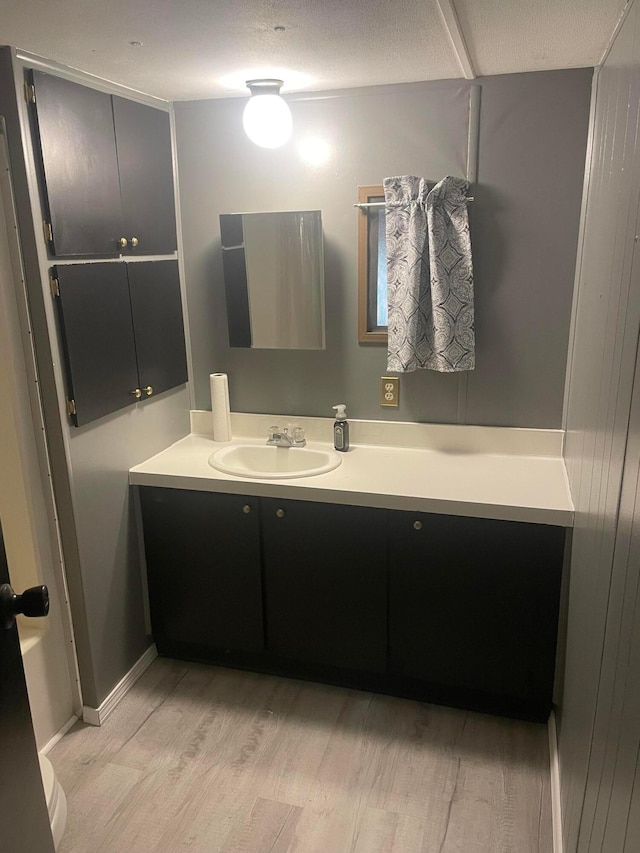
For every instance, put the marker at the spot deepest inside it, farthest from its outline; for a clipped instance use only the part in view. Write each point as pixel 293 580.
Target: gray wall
pixel 524 230
pixel 598 716
pixel 90 465
pixel 100 455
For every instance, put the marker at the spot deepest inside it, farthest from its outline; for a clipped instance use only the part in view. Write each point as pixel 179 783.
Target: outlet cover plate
pixel 389 390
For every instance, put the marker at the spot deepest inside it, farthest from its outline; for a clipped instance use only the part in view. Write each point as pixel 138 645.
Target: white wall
pixel 600 382
pixel 25 504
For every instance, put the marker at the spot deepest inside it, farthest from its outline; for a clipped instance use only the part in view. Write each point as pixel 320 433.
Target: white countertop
pixel 512 487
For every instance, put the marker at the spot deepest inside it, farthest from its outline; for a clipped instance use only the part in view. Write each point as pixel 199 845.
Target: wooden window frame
pixel 366 335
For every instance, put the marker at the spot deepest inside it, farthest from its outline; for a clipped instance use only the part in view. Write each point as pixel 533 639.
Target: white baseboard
pixel 554 765
pixel 97 716
pixel 59 735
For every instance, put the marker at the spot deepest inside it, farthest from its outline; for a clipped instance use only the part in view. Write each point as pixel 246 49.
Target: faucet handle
pixel 297 434
pixel 273 431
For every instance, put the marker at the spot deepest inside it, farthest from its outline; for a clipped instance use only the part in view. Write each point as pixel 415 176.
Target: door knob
pixel 33 602
pixel 134 242
pixel 123 242
pixel 148 390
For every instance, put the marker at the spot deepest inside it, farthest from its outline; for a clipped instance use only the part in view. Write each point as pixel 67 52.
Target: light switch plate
pixel 389 390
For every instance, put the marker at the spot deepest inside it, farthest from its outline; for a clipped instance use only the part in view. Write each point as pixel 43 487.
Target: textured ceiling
pixel 539 34
pixel 207 48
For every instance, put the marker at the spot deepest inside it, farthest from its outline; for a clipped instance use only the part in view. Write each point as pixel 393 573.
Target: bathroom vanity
pixel 398 571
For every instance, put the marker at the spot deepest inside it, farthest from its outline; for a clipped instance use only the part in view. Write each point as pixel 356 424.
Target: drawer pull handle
pixel 137 393
pixel 134 242
pixel 123 242
pixel 417 525
pixel 246 509
pixel 280 513
pixel 148 390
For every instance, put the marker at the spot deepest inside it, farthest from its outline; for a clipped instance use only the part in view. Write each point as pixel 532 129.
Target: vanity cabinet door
pixel 473 606
pixel 79 165
pixel 203 568
pixel 325 583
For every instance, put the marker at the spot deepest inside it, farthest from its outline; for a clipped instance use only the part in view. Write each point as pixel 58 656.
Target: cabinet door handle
pixel 123 242
pixel 137 393
pixel 134 242
pixel 280 513
pixel 246 509
pixel 417 525
pixel 148 390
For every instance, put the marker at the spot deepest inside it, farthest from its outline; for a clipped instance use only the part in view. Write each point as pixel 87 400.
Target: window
pixel 372 268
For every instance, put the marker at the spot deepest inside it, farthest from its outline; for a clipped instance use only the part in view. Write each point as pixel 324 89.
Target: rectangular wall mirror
pixel 274 279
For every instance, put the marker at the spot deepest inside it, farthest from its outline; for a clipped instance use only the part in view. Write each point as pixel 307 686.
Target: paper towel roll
pixel 220 410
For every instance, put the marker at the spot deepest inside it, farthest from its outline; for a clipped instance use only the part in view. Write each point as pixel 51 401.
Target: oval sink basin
pixel 264 462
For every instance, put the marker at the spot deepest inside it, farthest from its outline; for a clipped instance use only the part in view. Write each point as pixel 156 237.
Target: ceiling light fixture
pixel 267 117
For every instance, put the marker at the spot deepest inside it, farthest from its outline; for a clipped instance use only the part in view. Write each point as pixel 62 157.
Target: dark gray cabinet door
pixel 97 336
pixel 107 170
pixel 122 332
pixel 325 583
pixel 143 138
pixel 80 168
pixel 203 569
pixel 156 308
pixel 473 604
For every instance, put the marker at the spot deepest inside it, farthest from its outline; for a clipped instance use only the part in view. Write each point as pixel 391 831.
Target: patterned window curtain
pixel 429 276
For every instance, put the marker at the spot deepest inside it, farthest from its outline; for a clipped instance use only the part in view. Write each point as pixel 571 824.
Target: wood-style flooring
pixel 201 758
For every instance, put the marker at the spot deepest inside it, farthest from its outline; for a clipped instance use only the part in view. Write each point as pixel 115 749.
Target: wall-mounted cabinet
pixel 107 171
pixel 122 333
pixel 457 610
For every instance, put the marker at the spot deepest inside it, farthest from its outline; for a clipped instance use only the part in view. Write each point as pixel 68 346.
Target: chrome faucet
pixel 284 438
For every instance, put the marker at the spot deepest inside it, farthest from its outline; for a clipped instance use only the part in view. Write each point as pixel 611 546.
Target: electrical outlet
pixel 389 390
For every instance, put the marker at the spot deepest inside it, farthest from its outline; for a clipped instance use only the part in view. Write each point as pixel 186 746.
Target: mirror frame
pixel 366 334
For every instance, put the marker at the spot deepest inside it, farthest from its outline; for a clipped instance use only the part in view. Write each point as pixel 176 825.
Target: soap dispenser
pixel 341 428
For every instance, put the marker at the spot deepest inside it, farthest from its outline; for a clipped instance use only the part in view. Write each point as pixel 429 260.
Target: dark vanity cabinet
pixel 461 611
pixel 204 571
pixel 473 606
pixel 326 583
pixel 122 333
pixel 107 171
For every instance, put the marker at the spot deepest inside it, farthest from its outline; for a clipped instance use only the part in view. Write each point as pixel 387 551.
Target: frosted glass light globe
pixel 267 120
